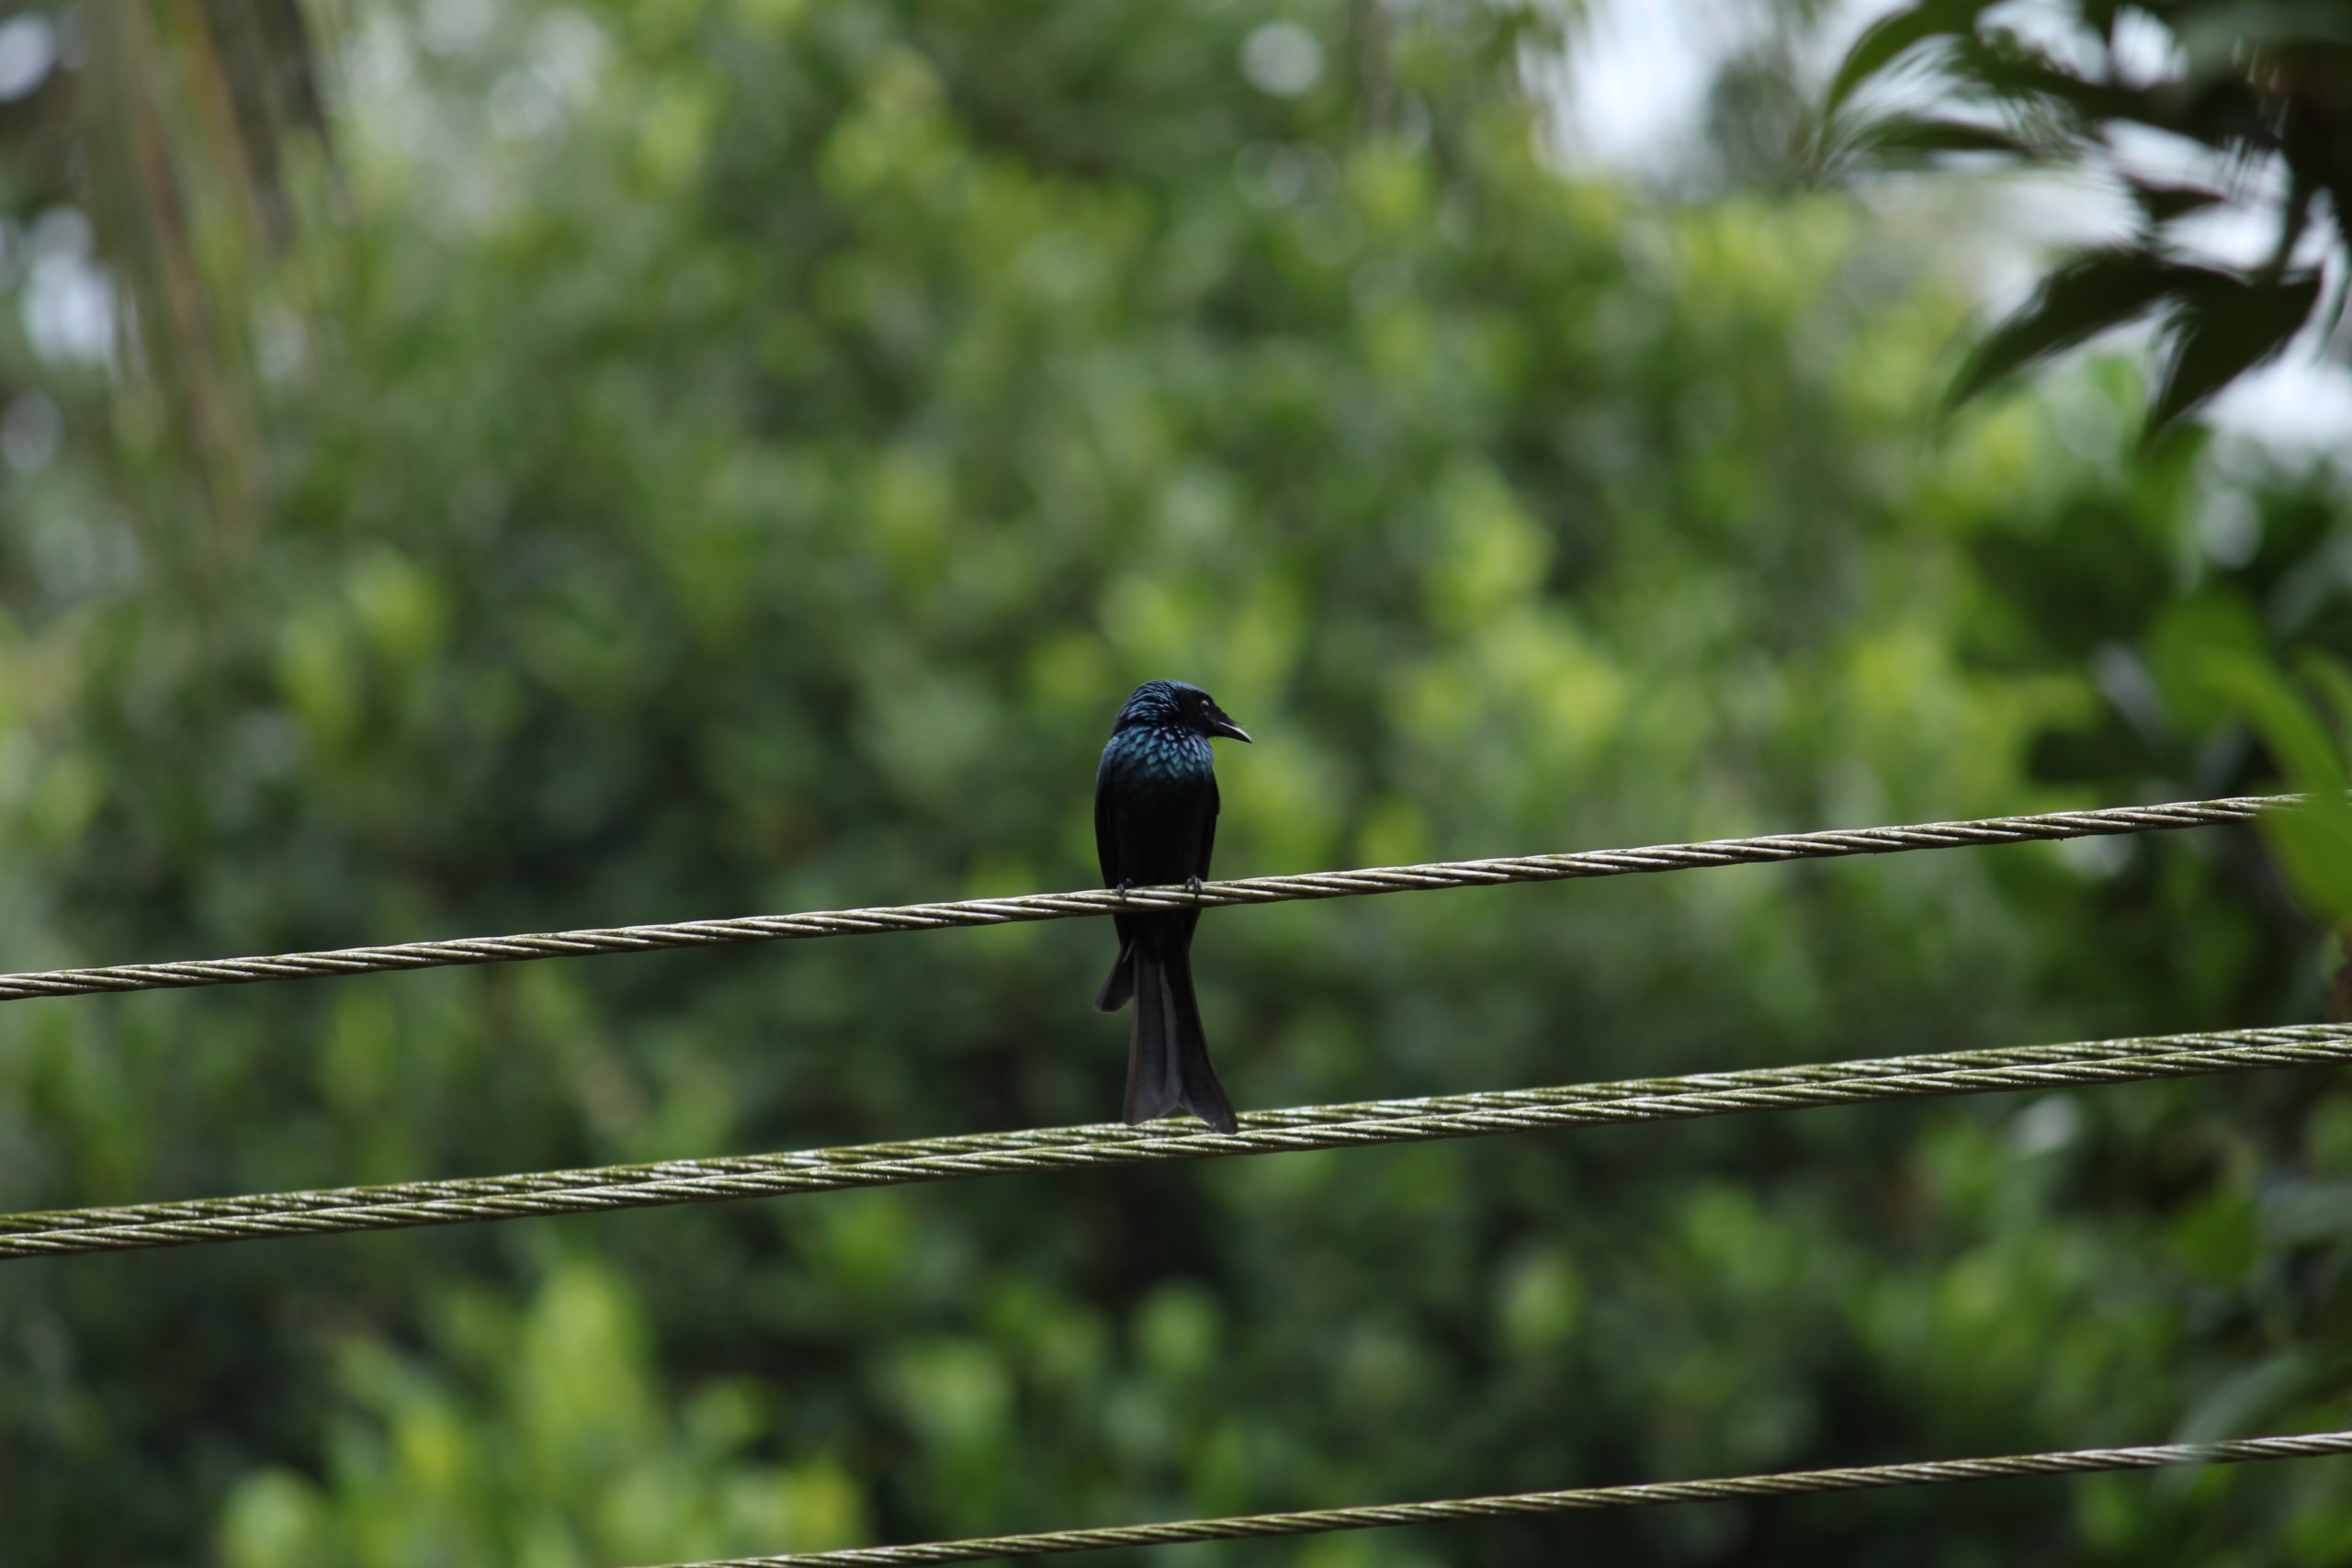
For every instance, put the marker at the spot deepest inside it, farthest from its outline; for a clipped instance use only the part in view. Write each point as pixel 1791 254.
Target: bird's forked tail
pixel 1168 1051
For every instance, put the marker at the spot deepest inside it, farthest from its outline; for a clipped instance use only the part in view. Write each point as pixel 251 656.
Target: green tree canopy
pixel 736 455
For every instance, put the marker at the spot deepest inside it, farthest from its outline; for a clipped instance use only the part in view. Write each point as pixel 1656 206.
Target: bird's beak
pixel 1220 725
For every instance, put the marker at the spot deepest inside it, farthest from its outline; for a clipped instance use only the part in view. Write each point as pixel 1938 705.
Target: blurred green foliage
pixel 570 1457
pixel 2314 843
pixel 737 455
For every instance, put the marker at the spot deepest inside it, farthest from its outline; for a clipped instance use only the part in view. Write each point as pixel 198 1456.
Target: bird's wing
pixel 1106 833
pixel 1106 851
pixel 1208 833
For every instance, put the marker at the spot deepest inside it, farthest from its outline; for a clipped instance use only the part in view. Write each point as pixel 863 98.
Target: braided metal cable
pixel 465 1200
pixel 1583 863
pixel 1587 1499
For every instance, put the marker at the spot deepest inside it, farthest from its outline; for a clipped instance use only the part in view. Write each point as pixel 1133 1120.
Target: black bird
pixel 1154 822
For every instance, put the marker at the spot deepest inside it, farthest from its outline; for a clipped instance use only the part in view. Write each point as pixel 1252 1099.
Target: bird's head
pixel 1176 703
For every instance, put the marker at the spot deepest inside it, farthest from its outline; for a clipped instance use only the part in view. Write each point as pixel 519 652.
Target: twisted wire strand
pixel 1114 1133
pixel 466 1200
pixel 1585 864
pixel 1587 1499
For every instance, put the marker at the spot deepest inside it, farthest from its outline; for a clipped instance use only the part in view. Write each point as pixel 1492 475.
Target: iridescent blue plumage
pixel 1154 822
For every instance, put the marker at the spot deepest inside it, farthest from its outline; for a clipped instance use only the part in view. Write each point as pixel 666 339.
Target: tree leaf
pixel 2162 203
pixel 1889 38
pixel 2226 326
pixel 2004 66
pixel 2087 295
pixel 1900 137
pixel 2333 679
pixel 2313 846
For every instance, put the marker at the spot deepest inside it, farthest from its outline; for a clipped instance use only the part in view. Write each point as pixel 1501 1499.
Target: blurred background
pixel 469 468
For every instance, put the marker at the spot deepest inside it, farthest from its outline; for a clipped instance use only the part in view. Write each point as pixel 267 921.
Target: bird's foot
pixel 1124 886
pixel 1193 885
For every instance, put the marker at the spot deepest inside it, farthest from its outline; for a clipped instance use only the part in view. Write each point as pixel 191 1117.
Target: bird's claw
pixel 1124 886
pixel 1193 885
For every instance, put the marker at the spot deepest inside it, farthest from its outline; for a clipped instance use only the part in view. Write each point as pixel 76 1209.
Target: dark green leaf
pixel 2002 66
pixel 2086 296
pixel 2162 203
pixel 1894 138
pixel 1891 38
pixel 2226 326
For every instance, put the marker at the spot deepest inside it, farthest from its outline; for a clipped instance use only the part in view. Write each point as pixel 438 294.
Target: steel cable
pixel 465 1200
pixel 1589 1500
pixel 1582 863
